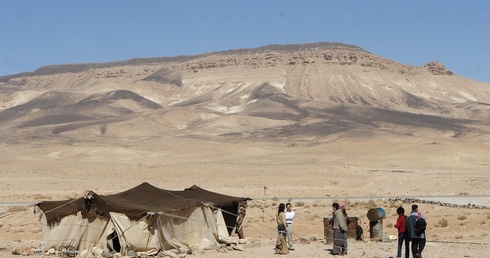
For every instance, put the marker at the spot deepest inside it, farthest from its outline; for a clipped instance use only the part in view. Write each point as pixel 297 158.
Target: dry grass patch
pixel 317 204
pixel 299 204
pixel 371 204
pixel 462 217
pixel 443 223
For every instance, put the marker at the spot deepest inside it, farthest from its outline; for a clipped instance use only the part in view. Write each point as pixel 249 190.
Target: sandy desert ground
pixel 311 175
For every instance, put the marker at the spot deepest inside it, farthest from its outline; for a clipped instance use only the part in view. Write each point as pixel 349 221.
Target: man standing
pixel 416 231
pixel 339 231
pixel 343 207
pixel 289 220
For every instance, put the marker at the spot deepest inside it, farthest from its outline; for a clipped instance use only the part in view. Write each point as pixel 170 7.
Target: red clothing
pixel 400 224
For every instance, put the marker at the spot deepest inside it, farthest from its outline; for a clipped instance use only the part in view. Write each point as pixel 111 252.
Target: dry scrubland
pixel 295 172
pixel 452 230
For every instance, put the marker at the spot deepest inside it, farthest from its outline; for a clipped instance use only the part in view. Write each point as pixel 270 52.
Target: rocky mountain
pixel 294 92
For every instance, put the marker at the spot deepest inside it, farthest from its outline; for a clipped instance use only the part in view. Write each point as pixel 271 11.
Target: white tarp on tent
pixel 196 227
pixel 143 219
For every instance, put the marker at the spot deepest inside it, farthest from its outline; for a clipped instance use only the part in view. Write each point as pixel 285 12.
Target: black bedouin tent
pixel 143 219
pixel 234 207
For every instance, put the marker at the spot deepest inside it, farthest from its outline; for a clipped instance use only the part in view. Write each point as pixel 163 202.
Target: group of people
pixel 411 228
pixel 285 216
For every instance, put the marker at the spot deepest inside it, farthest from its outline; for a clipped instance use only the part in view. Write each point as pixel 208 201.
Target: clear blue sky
pixel 35 33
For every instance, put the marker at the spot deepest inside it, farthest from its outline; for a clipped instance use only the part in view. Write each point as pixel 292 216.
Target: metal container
pixel 376 214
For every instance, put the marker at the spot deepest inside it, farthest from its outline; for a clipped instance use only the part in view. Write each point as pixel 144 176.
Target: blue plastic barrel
pixel 376 214
pixel 382 213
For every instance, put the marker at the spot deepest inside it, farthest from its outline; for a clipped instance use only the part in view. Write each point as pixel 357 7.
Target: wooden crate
pixel 328 231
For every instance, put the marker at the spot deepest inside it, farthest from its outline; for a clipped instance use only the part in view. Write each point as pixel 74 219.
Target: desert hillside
pixel 312 123
pixel 320 108
pixel 313 90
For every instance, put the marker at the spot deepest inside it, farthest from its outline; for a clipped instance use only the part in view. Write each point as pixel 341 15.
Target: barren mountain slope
pixel 312 89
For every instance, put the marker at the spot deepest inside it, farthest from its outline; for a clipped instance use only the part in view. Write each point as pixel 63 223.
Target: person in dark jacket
pixel 417 236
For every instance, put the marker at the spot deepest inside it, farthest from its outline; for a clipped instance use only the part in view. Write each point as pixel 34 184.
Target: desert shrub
pixel 462 217
pixel 444 223
pixel 458 237
pixel 484 235
pixel 276 199
pixel 299 204
pixel 371 204
pixel 317 204
pixel 355 204
pixel 483 222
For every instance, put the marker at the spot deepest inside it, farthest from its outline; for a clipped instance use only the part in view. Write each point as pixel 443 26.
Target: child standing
pixel 402 233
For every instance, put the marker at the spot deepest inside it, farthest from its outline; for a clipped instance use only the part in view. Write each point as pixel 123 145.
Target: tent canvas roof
pixel 137 201
pixel 198 193
pixel 148 198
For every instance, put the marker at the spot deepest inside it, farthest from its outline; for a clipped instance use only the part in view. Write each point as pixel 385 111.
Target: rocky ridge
pixel 274 91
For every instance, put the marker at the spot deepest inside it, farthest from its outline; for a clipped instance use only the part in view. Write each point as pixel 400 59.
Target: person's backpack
pixel 420 224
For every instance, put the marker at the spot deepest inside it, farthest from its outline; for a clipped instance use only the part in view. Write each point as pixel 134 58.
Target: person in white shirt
pixel 289 220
